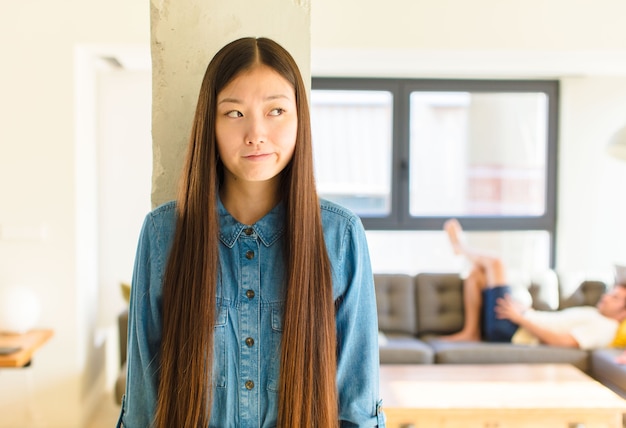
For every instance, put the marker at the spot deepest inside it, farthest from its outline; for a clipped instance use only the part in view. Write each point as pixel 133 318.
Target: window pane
pixel 474 154
pixel 352 146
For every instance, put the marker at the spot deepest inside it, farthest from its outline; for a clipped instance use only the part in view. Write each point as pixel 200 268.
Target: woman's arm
pixel 357 335
pixel 507 308
pixel 144 332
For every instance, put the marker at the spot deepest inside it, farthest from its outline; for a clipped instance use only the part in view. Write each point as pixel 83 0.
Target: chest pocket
pixel 219 347
pixel 276 335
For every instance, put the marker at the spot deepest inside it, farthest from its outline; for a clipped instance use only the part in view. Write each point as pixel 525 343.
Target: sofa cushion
pixel 606 370
pixel 587 294
pixel 505 353
pixel 403 349
pixel 395 302
pixel 439 303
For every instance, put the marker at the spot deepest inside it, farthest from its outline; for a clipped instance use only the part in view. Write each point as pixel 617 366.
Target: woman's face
pixel 256 125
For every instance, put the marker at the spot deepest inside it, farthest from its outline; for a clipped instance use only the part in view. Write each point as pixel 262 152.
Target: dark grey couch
pixel 414 310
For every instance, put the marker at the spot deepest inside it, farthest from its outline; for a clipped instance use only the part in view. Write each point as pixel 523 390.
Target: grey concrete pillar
pixel 185 34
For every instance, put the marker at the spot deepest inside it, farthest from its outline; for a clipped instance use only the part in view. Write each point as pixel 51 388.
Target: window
pixel 407 154
pixel 353 158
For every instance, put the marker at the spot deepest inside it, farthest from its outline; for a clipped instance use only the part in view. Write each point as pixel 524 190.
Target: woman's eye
pixel 277 111
pixel 234 113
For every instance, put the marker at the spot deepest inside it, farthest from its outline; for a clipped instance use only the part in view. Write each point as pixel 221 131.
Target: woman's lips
pixel 258 156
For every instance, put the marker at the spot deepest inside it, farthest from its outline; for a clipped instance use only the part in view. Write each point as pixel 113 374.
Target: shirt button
pixel 249 254
pixel 250 294
pixel 249 384
pixel 250 342
pixel 248 231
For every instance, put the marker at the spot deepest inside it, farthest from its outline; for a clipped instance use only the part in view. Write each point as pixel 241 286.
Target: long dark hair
pixel 307 389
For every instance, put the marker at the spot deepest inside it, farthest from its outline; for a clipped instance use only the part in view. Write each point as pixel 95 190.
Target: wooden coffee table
pixel 502 395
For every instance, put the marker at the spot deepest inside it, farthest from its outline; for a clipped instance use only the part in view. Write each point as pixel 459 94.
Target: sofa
pixel 414 310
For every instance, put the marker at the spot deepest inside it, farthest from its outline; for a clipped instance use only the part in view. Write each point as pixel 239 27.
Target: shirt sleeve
pixel 357 335
pixel 144 332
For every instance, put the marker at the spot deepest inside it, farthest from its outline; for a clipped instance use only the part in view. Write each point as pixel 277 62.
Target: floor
pixel 106 415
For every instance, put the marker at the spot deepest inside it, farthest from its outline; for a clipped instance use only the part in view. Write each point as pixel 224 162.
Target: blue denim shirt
pixel 249 324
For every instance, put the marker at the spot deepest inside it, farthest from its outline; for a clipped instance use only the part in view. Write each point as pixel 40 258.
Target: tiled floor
pixel 106 415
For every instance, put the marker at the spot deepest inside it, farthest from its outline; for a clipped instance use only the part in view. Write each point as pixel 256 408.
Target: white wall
pixel 531 25
pixel 125 177
pixel 39 187
pixel 592 207
pixel 124 165
pixel 581 43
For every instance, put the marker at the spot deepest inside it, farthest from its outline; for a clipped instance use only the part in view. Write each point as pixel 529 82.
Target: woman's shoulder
pixel 338 220
pixel 333 210
pixel 164 211
pixel 166 208
pixel 163 217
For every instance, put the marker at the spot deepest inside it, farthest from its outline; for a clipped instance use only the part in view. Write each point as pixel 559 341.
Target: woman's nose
pixel 256 131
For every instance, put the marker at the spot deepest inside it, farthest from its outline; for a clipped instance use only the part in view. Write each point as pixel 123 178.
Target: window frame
pixel 399 217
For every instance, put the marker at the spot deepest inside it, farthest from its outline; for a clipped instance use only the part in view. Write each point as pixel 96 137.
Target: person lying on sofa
pixel 487 296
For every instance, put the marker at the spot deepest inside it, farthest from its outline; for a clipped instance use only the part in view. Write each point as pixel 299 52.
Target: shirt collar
pixel 268 229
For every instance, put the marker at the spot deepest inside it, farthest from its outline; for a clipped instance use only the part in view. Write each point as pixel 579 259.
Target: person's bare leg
pixel 487 271
pixel 492 266
pixel 472 304
pixel 454 231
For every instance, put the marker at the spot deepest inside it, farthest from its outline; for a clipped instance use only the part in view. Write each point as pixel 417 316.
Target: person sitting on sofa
pixel 491 314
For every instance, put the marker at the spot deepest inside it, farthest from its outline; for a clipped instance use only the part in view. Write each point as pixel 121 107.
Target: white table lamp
pixel 19 309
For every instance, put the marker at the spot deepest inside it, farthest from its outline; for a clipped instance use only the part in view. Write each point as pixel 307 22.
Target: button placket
pixel 249 324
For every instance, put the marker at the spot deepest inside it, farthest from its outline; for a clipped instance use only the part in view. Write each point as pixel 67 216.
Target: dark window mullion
pixel 552 165
pixel 401 156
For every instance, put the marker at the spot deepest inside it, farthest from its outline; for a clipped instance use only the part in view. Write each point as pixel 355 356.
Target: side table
pixel 28 343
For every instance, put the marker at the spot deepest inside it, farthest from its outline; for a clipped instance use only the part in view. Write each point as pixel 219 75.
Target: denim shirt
pixel 248 329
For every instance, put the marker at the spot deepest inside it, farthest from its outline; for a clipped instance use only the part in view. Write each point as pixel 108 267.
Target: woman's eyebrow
pixel 229 100
pixel 277 96
pixel 268 98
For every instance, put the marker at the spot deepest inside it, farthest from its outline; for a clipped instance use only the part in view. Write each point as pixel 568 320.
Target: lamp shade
pixel 19 309
pixel 617 144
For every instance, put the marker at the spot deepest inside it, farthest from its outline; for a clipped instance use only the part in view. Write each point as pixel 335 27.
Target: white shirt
pixel 590 329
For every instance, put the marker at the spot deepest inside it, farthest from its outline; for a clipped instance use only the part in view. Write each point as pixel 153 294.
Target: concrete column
pixel 185 34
